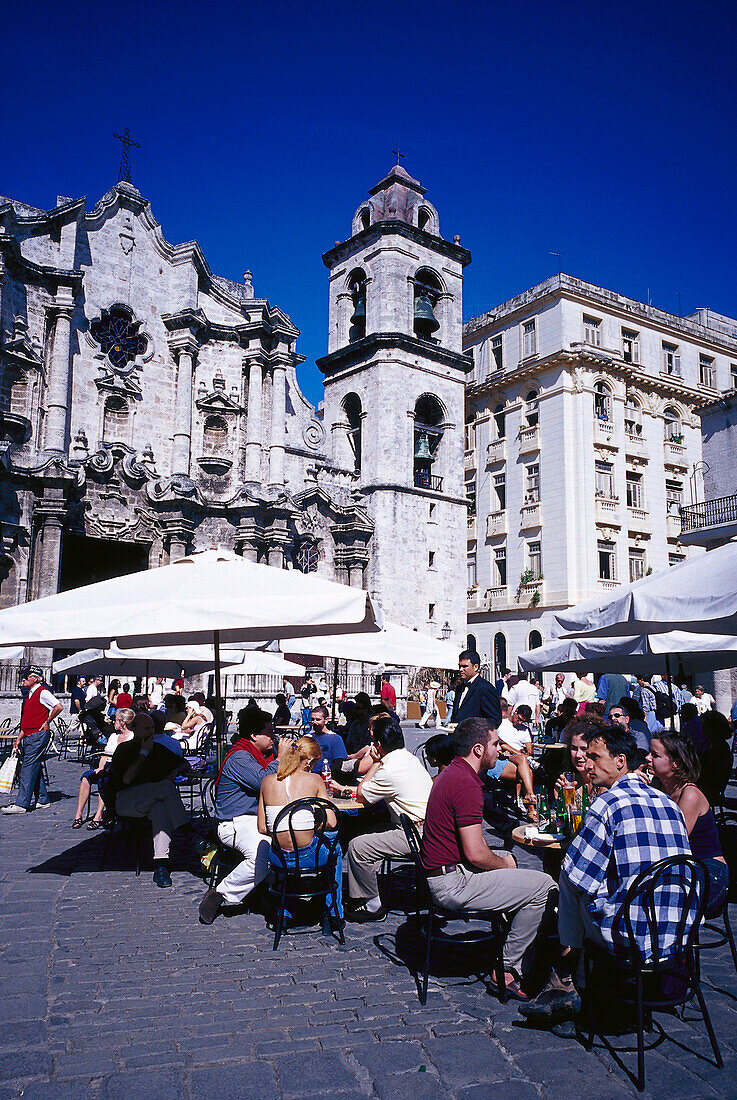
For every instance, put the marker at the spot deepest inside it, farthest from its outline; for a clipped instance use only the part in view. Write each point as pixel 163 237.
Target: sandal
pixel 77 823
pixel 92 825
pixel 531 809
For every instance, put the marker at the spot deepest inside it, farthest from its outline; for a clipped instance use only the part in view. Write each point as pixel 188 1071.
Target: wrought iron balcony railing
pixel 425 480
pixel 710 513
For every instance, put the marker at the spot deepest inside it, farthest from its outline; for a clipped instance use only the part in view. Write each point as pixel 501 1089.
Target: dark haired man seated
pixel 628 827
pixel 463 871
pixel 398 779
pixel 236 805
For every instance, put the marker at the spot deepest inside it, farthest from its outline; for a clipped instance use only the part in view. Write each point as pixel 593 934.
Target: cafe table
pixel 550 851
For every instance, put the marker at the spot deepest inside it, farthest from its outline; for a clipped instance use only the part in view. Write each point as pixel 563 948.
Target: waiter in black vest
pixel 475 697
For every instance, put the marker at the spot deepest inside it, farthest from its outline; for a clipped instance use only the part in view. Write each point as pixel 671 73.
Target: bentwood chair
pixel 306 877
pixel 667 975
pixel 437 914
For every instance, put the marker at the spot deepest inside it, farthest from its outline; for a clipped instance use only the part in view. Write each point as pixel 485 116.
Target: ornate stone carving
pixel 314 435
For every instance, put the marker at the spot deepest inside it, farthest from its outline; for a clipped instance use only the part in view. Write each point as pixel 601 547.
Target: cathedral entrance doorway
pixel 86 560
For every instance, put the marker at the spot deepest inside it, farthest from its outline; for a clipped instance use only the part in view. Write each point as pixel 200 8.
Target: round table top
pixel 347 805
pixel 538 842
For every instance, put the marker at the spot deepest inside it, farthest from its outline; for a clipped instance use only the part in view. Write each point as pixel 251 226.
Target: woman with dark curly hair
pixel 675 767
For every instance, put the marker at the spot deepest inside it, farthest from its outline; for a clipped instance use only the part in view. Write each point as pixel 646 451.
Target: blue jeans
pixel 307 719
pixel 319 853
pixel 31 783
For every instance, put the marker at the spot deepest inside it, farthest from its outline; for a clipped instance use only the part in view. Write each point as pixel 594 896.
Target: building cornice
pixel 362 350
pixel 54 277
pixel 395 228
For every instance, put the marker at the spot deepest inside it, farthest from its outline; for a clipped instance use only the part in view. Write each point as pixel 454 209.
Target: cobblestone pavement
pixel 112 990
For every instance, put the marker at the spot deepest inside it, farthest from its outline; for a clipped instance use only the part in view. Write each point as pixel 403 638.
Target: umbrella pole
pixel 145 686
pixel 335 684
pixel 670 688
pixel 219 709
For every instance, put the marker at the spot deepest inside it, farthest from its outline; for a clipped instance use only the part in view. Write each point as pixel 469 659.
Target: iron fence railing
pixel 710 513
pixel 425 480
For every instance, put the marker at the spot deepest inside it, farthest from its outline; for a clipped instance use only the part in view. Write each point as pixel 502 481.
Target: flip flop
pixel 77 823
pixel 94 825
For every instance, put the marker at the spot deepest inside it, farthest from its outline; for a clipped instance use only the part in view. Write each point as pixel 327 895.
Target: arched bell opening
pixel 428 291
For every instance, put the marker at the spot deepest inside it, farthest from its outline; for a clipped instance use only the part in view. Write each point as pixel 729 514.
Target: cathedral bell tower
pixel 394 399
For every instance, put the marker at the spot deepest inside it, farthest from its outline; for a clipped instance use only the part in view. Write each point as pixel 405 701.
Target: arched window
pixel 427 293
pixel 353 412
pixel 365 218
pixel 307 557
pixel 499 420
pixel 602 401
pixel 500 655
pixel 535 640
pixel 215 435
pixel 115 423
pixel 471 643
pixel 532 409
pixel 429 418
pixel 632 416
pixel 672 425
pixel 357 288
pixel 424 218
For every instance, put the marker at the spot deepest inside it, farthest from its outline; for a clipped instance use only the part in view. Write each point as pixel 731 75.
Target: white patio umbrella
pixel 696 652
pixel 170 661
pixel 11 652
pixel 392 645
pixel 698 595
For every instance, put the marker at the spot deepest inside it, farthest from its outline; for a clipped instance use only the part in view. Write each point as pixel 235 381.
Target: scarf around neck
pixel 245 744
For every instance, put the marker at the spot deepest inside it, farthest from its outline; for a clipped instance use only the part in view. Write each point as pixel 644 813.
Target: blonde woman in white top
pixel 295 779
pixel 123 732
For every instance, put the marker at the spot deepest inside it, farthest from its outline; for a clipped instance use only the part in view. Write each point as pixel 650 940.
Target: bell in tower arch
pixel 425 323
pixel 358 317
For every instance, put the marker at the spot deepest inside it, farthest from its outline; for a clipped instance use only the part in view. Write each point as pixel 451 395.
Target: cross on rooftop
pixel 125 161
pixel 397 154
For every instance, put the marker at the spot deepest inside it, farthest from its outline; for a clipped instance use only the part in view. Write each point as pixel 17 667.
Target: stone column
pixel 57 383
pixel 254 423
pixel 182 435
pixel 278 423
pixel 177 536
pixel 49 515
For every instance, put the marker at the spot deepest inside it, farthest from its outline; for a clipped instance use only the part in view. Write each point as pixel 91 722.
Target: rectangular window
pixel 630 346
pixel 707 374
pixel 471 563
pixel 676 559
pixel 607 561
pixel 500 564
pixel 592 331
pixel 535 559
pixel 471 435
pixel 733 375
pixel 432 512
pixel 634 490
pixel 674 492
pixel 605 480
pixel 471 494
pixel 529 338
pixel 500 488
pixel 532 484
pixel 431 559
pixel 431 611
pixel 671 359
pixel 497 353
pixel 637 563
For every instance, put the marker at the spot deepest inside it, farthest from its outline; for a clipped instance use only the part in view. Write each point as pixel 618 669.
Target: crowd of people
pixel 652 759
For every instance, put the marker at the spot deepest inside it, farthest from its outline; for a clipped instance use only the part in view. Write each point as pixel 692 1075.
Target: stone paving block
pixel 325 1069
pixel 24 1064
pixel 26 1033
pixel 143 1085
pixel 499 1090
pixel 418 1086
pixel 466 1059
pixel 89 1064
pixel 399 1057
pixel 55 1090
pixel 249 1079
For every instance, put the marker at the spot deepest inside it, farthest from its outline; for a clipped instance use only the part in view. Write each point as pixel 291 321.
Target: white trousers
pixel 242 834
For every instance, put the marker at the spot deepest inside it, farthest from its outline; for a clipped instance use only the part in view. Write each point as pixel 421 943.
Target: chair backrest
pixel 5 725
pixel 664 906
pixel 209 794
pixel 414 842
pixel 320 808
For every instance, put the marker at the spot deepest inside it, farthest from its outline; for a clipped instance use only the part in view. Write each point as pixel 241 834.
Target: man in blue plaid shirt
pixel 628 827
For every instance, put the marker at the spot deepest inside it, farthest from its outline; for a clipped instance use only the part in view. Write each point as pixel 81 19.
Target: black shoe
pixel 199 844
pixel 210 906
pixel 162 877
pixel 362 915
pixel 553 1006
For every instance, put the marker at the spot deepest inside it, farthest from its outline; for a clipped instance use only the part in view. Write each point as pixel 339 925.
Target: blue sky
pixel 604 131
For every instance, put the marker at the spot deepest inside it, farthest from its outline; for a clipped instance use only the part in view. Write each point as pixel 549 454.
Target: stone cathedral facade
pixel 149 407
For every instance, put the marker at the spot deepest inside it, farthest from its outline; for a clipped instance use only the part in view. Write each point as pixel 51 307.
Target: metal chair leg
pixel 640 1037
pixel 707 1021
pixel 728 930
pixel 426 974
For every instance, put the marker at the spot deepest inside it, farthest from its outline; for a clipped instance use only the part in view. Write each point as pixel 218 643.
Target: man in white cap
pixel 40 708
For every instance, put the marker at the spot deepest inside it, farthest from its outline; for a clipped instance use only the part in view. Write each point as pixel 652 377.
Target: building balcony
pixel 473 599
pixel 638 519
pixel 215 463
pixel 712 519
pixel 530 514
pixel 496 451
pixel 497 598
pixel 425 480
pixel 469 460
pixel 496 524
pixel 604 432
pixel 608 586
pixel 634 443
pixel 673 526
pixel 471 529
pixel 531 592
pixel 674 454
pixel 529 439
pixel 607 510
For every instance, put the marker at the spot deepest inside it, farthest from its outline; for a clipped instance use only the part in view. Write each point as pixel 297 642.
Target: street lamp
pixel 446 630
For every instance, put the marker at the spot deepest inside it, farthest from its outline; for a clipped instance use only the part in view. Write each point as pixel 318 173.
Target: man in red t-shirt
pixel 388 694
pixel 463 871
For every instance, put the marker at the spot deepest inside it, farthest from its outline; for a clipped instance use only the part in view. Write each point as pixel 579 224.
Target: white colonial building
pixel 582 442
